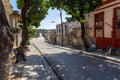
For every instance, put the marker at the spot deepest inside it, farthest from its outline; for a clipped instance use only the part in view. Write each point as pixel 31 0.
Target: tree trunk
pixel 83 36
pixel 24 36
pixel 6 44
pixel 83 30
pixel 24 20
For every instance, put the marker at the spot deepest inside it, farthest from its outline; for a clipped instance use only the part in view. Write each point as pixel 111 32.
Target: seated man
pixel 19 54
pixel 93 46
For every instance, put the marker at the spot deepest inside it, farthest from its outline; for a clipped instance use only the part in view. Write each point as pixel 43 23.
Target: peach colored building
pixel 104 24
pixel 13 19
pixel 14 23
pixel 8 8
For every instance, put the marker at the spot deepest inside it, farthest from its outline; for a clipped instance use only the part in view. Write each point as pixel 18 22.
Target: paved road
pixel 75 66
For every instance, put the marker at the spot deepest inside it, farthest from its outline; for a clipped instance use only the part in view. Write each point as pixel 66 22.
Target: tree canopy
pixel 36 12
pixel 76 8
pixel 32 12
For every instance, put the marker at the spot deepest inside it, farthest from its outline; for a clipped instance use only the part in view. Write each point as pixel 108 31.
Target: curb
pixel 60 47
pixel 46 62
pixel 90 54
pixel 104 57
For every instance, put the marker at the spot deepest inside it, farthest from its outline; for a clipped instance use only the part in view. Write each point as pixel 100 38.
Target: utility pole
pixel 61 26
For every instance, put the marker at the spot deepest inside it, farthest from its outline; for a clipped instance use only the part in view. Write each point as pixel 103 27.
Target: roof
pixel 16 13
pixel 107 1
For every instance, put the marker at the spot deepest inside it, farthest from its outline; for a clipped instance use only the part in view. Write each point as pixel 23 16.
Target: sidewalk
pixel 95 54
pixel 35 68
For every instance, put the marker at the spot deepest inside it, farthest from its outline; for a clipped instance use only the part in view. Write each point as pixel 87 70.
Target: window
pixel 99 24
pixel 99 21
pixel 117 23
pixel 118 14
pixel 117 20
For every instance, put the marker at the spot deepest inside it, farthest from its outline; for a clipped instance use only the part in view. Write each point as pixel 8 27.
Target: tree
pixel 31 33
pixel 32 12
pixel 78 9
pixel 6 43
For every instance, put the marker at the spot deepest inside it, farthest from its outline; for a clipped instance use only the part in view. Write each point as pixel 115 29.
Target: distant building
pixel 71 34
pixel 51 36
pixel 59 36
pixel 74 33
pixel 42 31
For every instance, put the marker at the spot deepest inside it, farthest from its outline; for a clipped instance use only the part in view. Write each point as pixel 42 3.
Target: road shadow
pixel 36 68
pixel 76 66
pixel 16 71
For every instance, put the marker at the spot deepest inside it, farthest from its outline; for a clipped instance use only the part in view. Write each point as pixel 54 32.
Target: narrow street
pixel 71 65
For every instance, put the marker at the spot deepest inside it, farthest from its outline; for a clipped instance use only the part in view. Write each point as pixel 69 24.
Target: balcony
pixel 16 30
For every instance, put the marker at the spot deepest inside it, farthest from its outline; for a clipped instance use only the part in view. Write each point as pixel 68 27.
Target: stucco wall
pixel 90 21
pixel 108 24
pixel 8 8
pixel 108 20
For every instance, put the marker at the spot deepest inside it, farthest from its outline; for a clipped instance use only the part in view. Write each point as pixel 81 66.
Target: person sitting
pixel 93 46
pixel 19 54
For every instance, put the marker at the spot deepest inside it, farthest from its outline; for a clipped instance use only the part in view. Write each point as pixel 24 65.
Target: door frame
pixel 102 12
pixel 116 42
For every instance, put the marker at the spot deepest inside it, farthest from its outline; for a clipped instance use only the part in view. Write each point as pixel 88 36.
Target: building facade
pixel 8 8
pixel 59 33
pixel 74 34
pixel 71 34
pixel 14 23
pixel 51 36
pixel 13 19
pixel 104 24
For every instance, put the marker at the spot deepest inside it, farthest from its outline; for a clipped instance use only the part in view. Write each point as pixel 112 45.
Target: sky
pixel 14 4
pixel 51 19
